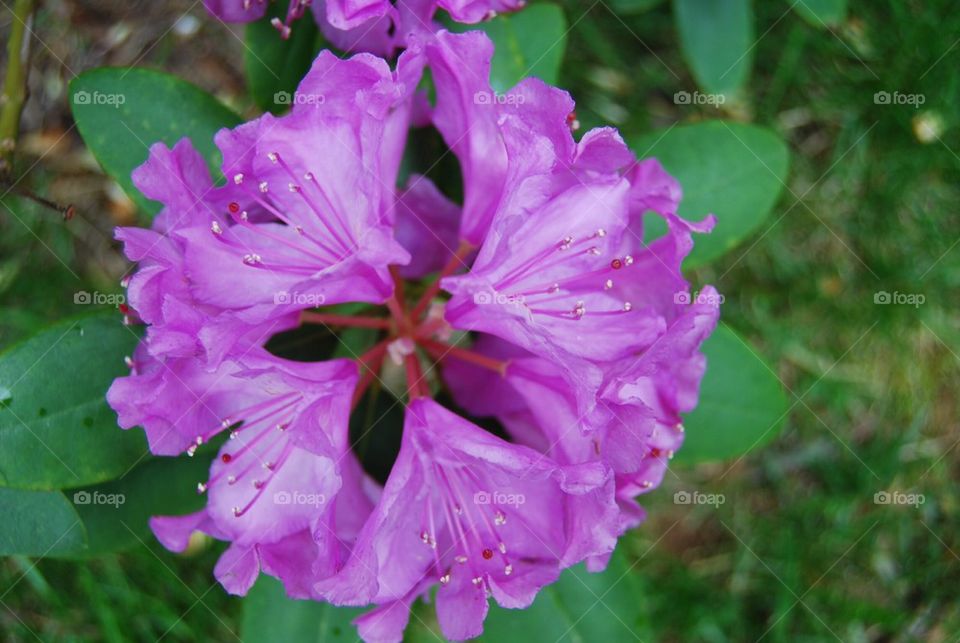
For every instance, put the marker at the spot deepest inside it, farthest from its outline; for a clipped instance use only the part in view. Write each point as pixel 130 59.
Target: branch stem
pixel 455 262
pixel 441 351
pixel 15 83
pixel 355 321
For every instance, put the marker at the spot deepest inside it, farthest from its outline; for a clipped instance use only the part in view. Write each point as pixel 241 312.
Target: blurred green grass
pixel 799 551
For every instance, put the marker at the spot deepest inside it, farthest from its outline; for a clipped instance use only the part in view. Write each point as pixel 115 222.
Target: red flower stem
pixel 395 304
pixel 397 285
pixel 455 262
pixel 441 351
pixel 355 321
pixel 427 328
pixel 370 364
pixel 396 310
pixel 364 383
pixel 374 355
pixel 414 388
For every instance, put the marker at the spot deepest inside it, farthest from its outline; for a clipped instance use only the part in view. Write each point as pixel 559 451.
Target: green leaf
pixel 742 403
pixel 717 38
pixel 355 341
pixel 733 170
pixel 269 615
pixel 56 429
pixel 527 43
pixel 579 607
pixel 115 514
pixel 821 13
pixel 630 7
pixel 121 112
pixel 100 518
pixel 38 523
pixel 274 66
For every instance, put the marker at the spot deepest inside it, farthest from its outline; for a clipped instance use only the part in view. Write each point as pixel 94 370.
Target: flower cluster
pixel 376 26
pixel 547 299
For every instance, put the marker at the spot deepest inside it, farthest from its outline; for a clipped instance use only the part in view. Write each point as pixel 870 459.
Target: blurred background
pixel 801 544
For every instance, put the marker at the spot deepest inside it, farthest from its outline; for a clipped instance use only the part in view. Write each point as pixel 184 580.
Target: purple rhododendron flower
pixel 540 300
pixel 376 26
pixel 287 426
pixel 465 509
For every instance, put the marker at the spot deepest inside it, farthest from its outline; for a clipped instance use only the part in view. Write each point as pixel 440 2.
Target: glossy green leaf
pixel 742 403
pixel 717 38
pixel 38 523
pixel 274 66
pixel 269 615
pixel 579 607
pixel 121 112
pixel 631 7
pixel 821 13
pixel 528 43
pixel 733 170
pixel 56 429
pixel 100 518
pixel 115 513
